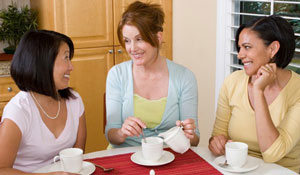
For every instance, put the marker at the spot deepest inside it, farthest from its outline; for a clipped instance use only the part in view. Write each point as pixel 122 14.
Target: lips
pixel 137 55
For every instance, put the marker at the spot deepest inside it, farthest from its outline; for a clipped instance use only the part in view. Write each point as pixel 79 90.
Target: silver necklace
pixel 44 110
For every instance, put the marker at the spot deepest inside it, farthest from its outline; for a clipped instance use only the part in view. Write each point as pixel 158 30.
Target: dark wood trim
pixel 5 57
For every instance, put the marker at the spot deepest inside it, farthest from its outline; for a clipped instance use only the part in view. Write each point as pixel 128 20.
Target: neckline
pixel 168 95
pixel 44 124
pixel 162 98
pixel 277 97
pixel 42 109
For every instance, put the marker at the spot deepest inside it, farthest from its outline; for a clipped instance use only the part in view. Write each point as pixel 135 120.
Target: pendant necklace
pixel 44 110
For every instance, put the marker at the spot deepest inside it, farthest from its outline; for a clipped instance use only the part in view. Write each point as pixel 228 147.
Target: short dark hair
pixel 33 62
pixel 147 18
pixel 273 28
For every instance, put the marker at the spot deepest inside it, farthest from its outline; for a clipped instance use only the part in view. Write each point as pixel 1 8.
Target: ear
pixel 274 47
pixel 160 37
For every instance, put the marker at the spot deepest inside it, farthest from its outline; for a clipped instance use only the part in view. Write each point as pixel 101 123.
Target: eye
pixel 139 39
pixel 247 47
pixel 126 40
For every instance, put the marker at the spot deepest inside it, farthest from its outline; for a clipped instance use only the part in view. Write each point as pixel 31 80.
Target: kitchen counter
pixel 5 68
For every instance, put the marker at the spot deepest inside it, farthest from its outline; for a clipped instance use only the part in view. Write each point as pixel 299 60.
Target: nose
pixel 241 54
pixel 70 66
pixel 133 46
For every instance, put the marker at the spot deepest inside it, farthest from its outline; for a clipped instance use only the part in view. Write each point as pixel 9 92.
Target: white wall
pixel 194 46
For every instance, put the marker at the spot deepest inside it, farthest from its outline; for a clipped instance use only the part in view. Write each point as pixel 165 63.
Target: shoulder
pixel 295 78
pixel 235 82
pixel 294 86
pixel 121 68
pixel 20 100
pixel 235 77
pixel 179 71
pixel 77 96
pixel 19 110
pixel 76 103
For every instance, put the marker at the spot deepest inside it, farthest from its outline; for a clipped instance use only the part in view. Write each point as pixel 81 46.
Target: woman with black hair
pixel 260 105
pixel 46 116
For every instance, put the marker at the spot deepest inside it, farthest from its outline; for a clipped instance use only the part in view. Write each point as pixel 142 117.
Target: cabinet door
pixel 88 78
pixel 120 55
pixel 121 5
pixel 88 23
pixel 8 89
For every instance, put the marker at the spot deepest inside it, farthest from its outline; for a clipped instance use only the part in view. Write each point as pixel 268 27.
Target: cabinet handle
pixel 9 89
pixel 111 51
pixel 120 51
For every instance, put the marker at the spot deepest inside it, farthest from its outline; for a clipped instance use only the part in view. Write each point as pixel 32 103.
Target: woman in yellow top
pixel 260 105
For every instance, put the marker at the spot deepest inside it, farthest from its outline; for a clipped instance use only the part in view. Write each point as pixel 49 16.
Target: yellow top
pixel 235 118
pixel 149 111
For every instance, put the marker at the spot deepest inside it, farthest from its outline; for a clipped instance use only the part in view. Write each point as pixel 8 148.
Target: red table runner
pixel 187 163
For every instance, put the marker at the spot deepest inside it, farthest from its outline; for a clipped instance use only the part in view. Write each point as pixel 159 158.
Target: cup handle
pixel 56 158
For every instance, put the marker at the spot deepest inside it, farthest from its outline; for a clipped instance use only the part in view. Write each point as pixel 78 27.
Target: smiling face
pixel 62 67
pixel 253 52
pixel 140 51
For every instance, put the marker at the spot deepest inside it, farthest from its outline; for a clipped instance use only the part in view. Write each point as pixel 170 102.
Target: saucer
pixel 251 164
pixel 87 168
pixel 167 157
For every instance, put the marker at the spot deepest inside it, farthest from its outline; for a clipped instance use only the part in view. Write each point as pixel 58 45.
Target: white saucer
pixel 167 157
pixel 87 168
pixel 251 164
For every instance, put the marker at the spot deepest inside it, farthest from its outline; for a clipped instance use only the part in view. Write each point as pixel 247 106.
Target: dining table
pixel 197 160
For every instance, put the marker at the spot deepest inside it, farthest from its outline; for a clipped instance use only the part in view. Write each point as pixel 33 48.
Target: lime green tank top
pixel 149 111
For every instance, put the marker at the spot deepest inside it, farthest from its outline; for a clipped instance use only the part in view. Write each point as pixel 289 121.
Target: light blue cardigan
pixel 182 100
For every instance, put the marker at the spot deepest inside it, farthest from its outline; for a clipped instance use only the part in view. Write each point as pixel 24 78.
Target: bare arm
pixel 10 136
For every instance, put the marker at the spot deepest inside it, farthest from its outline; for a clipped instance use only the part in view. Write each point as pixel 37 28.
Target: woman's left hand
pixel 265 75
pixel 189 127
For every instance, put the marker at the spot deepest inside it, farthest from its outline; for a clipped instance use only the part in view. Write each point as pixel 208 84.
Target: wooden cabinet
pixel 92 26
pixel 8 89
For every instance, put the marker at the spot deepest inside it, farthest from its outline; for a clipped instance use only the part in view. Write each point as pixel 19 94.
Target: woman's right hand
pixel 217 145
pixel 132 126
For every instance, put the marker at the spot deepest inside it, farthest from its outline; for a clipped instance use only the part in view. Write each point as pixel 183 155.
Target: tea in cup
pixel 70 160
pixel 152 149
pixel 176 139
pixel 236 154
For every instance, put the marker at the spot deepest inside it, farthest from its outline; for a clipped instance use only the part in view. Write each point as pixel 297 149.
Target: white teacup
pixel 152 149
pixel 70 159
pixel 236 154
pixel 176 139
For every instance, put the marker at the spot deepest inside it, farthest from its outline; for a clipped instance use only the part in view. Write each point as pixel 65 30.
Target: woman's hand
pixel 132 126
pixel 265 75
pixel 189 127
pixel 217 145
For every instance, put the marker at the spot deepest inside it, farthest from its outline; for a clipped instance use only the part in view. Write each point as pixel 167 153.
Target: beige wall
pixel 194 46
